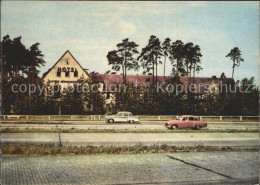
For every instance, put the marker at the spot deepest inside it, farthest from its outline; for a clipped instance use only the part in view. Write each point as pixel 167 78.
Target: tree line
pixel 185 58
pixel 21 65
pixel 148 101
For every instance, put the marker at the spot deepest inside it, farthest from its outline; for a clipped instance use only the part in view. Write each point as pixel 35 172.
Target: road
pixel 104 123
pixel 240 140
pixel 151 125
pixel 168 168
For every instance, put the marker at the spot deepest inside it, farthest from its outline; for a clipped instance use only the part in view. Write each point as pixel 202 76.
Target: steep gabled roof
pixel 44 74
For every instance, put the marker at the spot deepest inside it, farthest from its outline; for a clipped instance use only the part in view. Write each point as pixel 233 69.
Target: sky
pixel 89 30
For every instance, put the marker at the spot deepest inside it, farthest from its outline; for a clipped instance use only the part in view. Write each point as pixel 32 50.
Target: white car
pixel 122 117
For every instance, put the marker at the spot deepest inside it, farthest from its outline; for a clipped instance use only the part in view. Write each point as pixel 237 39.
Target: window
pixel 70 88
pixel 120 114
pixel 191 118
pixel 76 74
pixel 67 74
pixel 58 73
pixel 108 95
pixel 125 114
pixel 56 90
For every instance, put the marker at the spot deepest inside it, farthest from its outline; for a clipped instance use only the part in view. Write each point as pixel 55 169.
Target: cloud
pixel 157 8
pixel 118 24
pixel 91 29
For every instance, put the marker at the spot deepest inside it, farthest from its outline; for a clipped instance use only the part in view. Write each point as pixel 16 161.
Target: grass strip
pixel 41 150
pixel 17 130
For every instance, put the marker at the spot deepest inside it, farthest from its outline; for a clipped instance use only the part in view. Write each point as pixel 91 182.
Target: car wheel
pixel 111 121
pixel 174 127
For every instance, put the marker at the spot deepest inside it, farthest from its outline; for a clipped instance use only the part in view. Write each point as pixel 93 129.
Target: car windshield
pixel 187 118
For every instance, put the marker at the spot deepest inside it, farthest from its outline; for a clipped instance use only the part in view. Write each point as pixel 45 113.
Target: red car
pixel 186 121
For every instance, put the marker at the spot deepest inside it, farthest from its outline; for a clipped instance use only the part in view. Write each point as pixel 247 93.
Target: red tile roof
pixel 116 79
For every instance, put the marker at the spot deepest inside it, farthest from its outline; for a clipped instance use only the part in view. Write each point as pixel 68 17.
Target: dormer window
pixel 67 61
pixel 75 73
pixel 67 74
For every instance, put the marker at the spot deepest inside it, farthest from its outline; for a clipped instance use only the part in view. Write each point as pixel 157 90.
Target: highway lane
pixel 132 139
pixel 104 123
pixel 119 126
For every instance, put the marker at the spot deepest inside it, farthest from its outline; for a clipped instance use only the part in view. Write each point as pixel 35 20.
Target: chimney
pixel 214 77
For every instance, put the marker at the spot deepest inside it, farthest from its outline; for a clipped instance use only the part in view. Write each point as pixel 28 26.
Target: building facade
pixel 67 71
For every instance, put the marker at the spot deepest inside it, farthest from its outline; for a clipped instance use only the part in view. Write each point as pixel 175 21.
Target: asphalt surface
pixel 104 123
pixel 169 168
pixel 151 125
pixel 240 140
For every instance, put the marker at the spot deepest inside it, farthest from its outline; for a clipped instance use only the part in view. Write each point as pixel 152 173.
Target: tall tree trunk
pixel 123 73
pixel 156 69
pixel 188 76
pixel 164 66
pixel 156 73
pixel 153 73
pixel 177 72
pixel 177 68
pixel 233 69
pixel 125 65
pixel 194 71
pixel 190 72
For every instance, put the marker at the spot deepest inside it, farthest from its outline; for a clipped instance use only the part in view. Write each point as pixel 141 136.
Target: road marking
pixel 207 169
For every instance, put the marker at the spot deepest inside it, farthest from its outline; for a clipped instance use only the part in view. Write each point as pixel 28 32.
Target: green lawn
pixel 39 150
